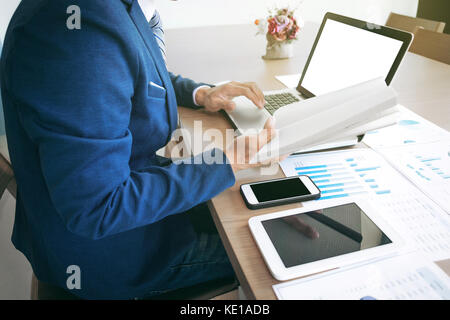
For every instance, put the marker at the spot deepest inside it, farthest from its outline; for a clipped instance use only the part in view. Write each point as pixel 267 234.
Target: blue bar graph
pixel 342 195
pixel 431 159
pixel 321 181
pixel 341 184
pixel 332 191
pixel 431 166
pixel 321 186
pixel 321 166
pixel 347 178
pixel 321 176
pixel 314 171
pixel 311 167
pixel 367 169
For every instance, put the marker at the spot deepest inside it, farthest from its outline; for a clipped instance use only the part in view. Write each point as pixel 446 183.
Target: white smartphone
pixel 276 192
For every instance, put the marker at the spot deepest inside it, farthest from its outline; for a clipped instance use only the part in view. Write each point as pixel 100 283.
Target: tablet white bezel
pixel 276 265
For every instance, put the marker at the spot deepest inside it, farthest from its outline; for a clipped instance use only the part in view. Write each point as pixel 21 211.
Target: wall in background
pixel 7 9
pixel 194 13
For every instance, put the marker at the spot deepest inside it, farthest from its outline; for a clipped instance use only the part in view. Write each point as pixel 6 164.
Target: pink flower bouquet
pixel 281 26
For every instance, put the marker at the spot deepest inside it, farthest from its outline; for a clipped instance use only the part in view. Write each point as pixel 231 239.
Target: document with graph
pixel 411 129
pixel 406 277
pixel 420 150
pixel 407 177
pixel 427 166
pixel 364 173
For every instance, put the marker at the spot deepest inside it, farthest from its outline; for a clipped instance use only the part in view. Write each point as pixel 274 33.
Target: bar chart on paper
pixel 427 166
pixel 363 173
pixel 342 177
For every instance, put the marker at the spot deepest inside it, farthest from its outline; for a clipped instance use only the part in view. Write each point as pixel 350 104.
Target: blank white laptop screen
pixel 346 55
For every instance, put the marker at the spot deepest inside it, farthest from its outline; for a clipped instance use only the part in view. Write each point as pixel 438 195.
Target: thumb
pixel 229 105
pixel 267 134
pixel 269 126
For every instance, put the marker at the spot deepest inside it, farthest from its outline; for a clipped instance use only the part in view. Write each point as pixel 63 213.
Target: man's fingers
pixel 269 126
pixel 239 89
pixel 282 158
pixel 229 105
pixel 267 134
pixel 254 87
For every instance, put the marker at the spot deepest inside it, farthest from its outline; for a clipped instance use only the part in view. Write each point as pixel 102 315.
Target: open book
pixel 331 117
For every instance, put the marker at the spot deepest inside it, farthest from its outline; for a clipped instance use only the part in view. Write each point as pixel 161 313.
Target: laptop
pixel 346 52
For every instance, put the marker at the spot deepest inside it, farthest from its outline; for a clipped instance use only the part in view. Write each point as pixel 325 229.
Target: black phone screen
pixel 281 189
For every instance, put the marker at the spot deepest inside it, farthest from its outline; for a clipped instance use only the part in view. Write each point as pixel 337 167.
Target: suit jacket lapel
pixel 146 33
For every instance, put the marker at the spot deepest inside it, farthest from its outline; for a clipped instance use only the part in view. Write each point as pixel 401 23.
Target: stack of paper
pixel 335 116
pixel 407 277
pixel 406 179
pixel 420 150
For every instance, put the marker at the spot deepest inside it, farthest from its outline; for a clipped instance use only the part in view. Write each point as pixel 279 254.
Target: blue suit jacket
pixel 83 125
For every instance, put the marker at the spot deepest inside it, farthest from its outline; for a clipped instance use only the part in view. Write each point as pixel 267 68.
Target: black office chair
pixel 7 180
pixel 203 291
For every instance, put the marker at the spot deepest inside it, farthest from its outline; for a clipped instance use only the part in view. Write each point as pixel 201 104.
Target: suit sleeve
pixel 73 91
pixel 184 89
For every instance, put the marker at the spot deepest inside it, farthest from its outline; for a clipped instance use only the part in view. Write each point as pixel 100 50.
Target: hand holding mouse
pixel 220 97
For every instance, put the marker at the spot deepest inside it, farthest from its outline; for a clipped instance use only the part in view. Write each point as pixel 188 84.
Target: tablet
pixel 322 237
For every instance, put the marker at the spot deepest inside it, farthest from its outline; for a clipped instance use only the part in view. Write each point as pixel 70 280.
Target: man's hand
pixel 244 148
pixel 220 97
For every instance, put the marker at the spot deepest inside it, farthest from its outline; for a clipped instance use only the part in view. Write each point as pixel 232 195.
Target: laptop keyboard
pixel 276 101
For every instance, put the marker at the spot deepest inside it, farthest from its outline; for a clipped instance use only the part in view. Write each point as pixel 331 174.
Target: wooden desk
pixel 214 54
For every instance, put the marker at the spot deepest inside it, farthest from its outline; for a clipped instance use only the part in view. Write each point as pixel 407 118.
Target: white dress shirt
pixel 148 8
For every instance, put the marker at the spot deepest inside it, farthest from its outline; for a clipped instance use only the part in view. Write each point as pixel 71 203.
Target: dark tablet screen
pixel 322 234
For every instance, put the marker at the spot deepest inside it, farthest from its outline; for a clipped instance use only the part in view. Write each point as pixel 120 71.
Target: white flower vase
pixel 282 50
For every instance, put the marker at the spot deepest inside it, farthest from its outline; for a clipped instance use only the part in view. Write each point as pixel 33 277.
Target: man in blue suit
pixel 86 110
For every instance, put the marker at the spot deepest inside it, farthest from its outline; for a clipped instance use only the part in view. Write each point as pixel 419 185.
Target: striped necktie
pixel 157 28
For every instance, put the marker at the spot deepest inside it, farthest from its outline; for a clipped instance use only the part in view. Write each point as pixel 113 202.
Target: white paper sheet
pixel 364 173
pixel 317 120
pixel 405 277
pixel 410 130
pixel 425 165
pixel 289 80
